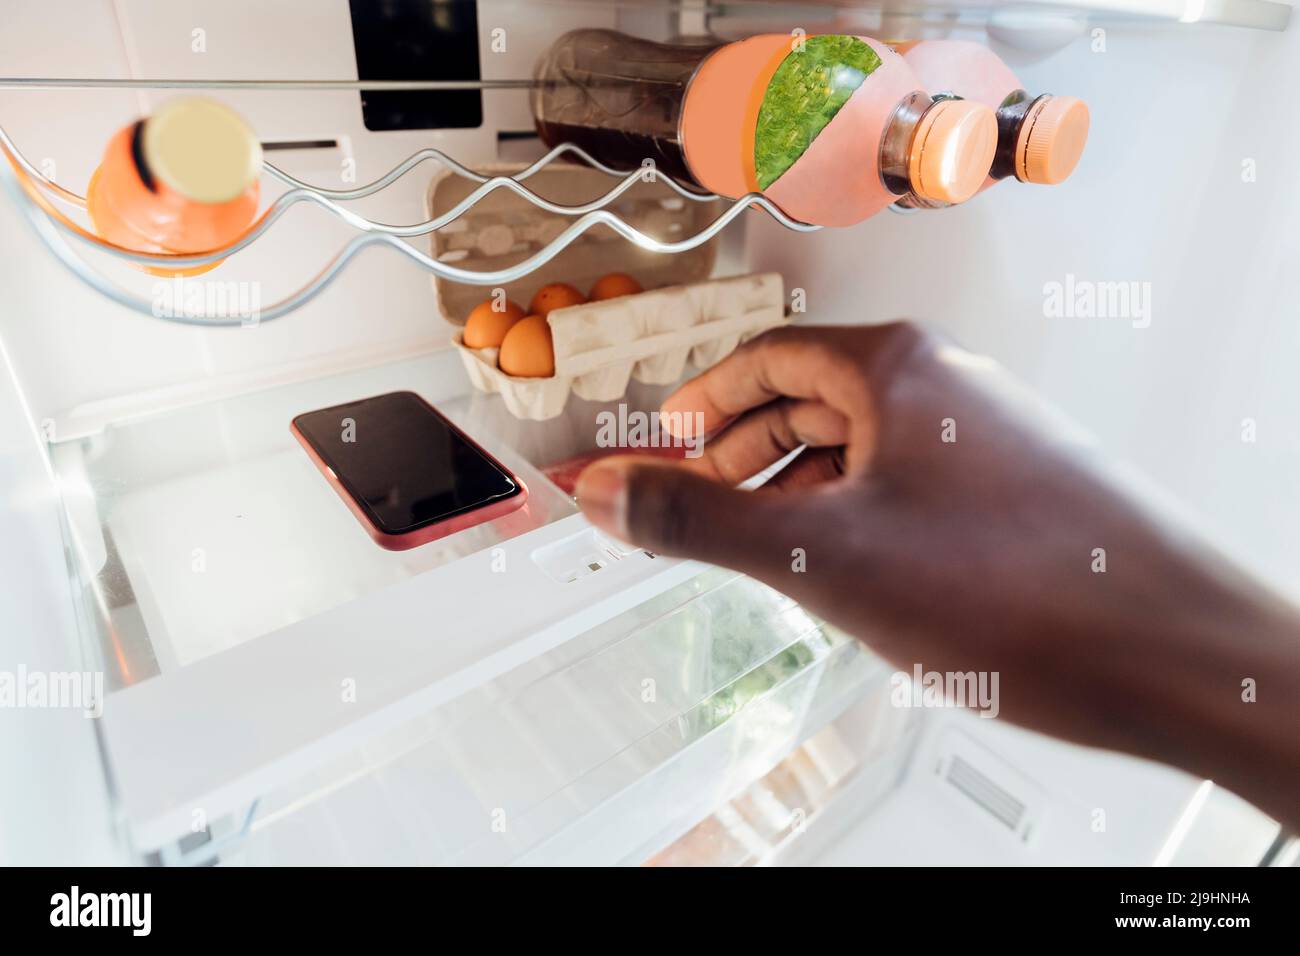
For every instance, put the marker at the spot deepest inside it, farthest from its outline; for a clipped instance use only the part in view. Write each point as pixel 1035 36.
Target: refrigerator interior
pixel 278 690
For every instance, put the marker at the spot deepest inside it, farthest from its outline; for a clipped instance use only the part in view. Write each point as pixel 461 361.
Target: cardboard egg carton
pixel 600 346
pixel 682 317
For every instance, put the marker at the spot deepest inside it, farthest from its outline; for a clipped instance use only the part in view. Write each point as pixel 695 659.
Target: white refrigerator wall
pixel 54 806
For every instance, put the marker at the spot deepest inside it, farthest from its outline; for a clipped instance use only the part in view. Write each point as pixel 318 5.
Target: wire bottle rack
pixel 39 199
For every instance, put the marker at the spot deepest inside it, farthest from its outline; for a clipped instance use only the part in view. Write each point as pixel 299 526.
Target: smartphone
pixel 408 474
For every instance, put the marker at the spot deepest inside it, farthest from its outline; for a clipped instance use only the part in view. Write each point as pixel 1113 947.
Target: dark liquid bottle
pixel 617 97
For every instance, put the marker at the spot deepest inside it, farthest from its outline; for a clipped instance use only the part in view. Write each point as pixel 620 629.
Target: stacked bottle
pixel 1040 138
pixel 831 128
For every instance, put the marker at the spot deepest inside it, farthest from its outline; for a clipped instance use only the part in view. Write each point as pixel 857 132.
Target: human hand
pixel 944 515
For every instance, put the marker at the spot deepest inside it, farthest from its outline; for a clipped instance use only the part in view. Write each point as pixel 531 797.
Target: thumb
pixel 671 510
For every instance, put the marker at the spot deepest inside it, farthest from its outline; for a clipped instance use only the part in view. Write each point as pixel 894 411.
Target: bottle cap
pixel 201 149
pixel 952 150
pixel 1051 140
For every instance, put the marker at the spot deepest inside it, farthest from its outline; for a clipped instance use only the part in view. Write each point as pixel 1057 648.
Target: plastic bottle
pixel 1040 138
pixel 183 180
pixel 830 128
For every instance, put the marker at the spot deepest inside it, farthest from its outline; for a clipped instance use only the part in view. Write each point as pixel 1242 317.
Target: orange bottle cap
pixel 201 149
pixel 1051 140
pixel 952 150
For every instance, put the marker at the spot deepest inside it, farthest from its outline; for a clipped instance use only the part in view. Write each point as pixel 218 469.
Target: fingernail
pixel 602 496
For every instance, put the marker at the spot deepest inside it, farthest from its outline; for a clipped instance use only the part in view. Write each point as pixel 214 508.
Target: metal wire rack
pixel 36 196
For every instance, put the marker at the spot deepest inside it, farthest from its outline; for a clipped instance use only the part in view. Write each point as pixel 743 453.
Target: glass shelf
pixel 204 527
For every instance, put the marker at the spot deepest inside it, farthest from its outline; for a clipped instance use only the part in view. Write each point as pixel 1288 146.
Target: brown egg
pixel 614 285
pixel 486 327
pixel 527 351
pixel 557 295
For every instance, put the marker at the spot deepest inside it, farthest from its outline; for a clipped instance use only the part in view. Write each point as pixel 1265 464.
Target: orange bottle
pixel 1040 138
pixel 182 181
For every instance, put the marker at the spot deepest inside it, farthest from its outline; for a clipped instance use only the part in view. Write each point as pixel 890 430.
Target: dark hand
pixel 948 519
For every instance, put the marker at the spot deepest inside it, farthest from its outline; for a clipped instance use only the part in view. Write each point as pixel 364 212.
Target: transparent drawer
pixel 602 751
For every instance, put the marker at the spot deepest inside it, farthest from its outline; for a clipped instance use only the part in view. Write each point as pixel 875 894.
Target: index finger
pixel 805 362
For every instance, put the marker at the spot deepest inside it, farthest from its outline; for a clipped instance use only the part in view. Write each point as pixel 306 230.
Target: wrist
pixel 1225 701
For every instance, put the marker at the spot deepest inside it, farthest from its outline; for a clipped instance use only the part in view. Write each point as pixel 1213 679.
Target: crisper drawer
pixel 603 751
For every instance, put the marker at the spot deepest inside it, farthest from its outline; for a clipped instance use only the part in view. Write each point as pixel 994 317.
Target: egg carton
pixel 682 317
pixel 503 229
pixel 651 336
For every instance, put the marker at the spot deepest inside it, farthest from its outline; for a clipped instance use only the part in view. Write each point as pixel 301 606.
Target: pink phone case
pixel 431 532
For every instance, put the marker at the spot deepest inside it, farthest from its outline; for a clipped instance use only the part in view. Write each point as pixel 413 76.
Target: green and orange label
pixel 811 84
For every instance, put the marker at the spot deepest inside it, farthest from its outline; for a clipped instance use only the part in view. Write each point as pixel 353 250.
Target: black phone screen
pixel 403 462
